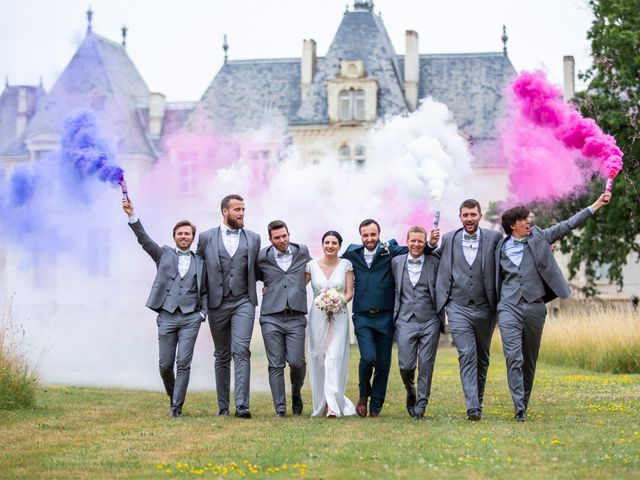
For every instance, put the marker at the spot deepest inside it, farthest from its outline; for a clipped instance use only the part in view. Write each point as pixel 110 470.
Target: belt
pixel 287 312
pixel 374 310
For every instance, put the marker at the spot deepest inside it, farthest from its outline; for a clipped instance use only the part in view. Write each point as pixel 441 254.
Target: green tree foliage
pixel 612 100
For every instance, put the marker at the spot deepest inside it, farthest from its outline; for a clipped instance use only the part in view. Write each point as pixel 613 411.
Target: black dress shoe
pixel 474 415
pixel 521 416
pixel 280 415
pixel 175 412
pixel 419 416
pixel 411 402
pixel 223 412
pixel 242 412
pixel 296 404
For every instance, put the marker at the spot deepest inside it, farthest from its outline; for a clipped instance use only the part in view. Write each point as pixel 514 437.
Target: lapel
pixel 483 253
pixel 450 248
pixel 213 243
pixel 400 271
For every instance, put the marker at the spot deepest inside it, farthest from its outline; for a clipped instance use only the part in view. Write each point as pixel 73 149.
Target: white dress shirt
pixel 415 269
pixel 470 247
pixel 184 261
pixel 368 255
pixel 230 240
pixel 283 259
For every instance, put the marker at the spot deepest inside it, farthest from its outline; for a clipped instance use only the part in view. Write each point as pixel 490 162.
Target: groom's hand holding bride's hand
pixel 434 236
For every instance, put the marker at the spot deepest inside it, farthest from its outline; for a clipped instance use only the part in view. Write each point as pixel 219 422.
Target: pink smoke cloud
pixel 546 140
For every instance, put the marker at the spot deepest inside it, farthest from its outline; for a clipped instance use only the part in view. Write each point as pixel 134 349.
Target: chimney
pixel 569 77
pixel 411 69
pixel 22 113
pixel 307 66
pixel 157 103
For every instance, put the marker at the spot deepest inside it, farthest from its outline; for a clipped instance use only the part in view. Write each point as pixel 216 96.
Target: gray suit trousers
pixel 284 337
pixel 177 332
pixel 472 328
pixel 231 327
pixel 521 327
pixel 418 344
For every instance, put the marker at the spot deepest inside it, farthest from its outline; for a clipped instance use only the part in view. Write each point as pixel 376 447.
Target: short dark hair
pixel 367 222
pixel 225 201
pixel 470 203
pixel 333 233
pixel 276 225
pixel 417 229
pixel 511 216
pixel 184 223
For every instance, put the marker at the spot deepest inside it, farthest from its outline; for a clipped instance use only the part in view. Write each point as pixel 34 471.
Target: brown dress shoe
pixel 361 407
pixel 374 414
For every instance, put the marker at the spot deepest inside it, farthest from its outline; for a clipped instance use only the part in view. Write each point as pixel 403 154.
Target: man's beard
pixel 235 224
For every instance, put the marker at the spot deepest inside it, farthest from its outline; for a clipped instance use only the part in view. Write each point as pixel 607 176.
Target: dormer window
pixel 352 105
pixel 352 95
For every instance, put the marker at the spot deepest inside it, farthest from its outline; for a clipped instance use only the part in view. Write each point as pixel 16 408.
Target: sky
pixel 177 44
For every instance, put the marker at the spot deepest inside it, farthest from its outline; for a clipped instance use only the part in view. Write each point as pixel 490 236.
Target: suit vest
pixel 415 302
pixel 467 284
pixel 234 269
pixel 522 281
pixel 183 292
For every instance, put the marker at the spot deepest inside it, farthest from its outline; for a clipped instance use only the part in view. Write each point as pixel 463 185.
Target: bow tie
pixel 232 232
pixel 414 261
pixel 521 241
pixel 282 254
pixel 473 236
pixel 183 254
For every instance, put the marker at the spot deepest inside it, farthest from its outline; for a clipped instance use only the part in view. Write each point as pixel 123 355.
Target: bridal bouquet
pixel 330 301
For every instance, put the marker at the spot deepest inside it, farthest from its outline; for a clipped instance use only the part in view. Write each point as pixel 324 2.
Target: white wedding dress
pixel 328 347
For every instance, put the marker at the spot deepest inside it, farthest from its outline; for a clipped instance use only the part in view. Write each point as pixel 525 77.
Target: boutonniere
pixel 384 248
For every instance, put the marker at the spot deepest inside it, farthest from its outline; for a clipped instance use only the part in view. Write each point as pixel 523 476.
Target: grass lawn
pixel 581 425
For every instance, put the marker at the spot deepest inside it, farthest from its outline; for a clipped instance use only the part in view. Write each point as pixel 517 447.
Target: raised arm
pixel 152 248
pixel 556 232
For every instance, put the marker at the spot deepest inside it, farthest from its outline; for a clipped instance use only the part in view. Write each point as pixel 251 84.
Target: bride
pixel 329 339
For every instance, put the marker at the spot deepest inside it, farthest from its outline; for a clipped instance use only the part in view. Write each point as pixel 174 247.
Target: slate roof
pixel 9 111
pixel 102 79
pixel 472 85
pixel 246 93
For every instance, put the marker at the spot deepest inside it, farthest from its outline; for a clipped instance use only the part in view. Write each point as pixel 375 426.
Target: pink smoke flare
pixel 541 103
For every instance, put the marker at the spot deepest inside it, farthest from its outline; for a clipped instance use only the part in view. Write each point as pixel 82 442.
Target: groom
pixel 373 303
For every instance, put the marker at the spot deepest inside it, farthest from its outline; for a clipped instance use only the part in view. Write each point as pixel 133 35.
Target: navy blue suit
pixel 373 302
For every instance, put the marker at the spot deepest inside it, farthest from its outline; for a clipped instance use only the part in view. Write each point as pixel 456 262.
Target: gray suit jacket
pixel 539 242
pixel 444 252
pixel 166 260
pixel 398 264
pixel 282 288
pixel 208 250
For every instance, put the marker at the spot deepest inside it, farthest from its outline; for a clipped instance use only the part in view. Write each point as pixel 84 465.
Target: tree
pixel 612 98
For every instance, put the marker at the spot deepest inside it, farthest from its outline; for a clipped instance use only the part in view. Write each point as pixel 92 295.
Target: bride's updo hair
pixel 333 233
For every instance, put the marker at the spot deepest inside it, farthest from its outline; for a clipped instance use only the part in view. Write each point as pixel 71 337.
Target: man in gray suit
pixel 229 252
pixel 528 276
pixel 282 314
pixel 179 295
pixel 466 286
pixel 418 323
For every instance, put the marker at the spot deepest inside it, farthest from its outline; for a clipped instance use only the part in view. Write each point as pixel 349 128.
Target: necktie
pixel 232 232
pixel 414 261
pixel 282 254
pixel 473 236
pixel 181 253
pixel 521 241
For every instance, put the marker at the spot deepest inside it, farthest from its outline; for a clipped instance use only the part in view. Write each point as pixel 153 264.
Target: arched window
pixel 344 153
pixel 351 105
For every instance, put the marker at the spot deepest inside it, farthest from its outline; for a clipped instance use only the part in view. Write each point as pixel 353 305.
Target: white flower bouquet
pixel 330 301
